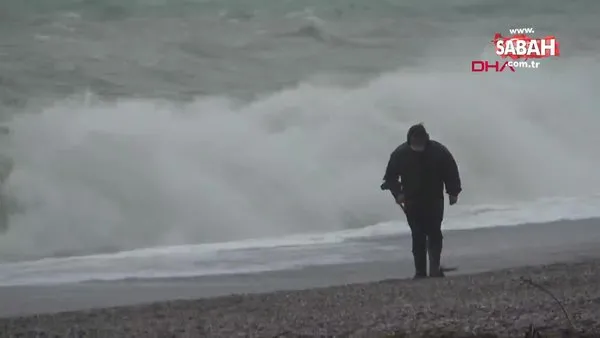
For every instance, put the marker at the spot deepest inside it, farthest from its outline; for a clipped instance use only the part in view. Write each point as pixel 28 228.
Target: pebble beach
pixel 501 303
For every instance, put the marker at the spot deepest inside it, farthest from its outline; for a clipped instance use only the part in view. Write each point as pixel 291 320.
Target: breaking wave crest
pixel 91 175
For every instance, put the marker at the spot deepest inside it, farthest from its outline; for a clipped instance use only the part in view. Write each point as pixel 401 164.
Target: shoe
pixel 420 266
pixel 419 276
pixel 437 273
pixel 435 269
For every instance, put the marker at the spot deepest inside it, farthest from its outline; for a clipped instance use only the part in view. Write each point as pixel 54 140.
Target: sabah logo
pixel 522 46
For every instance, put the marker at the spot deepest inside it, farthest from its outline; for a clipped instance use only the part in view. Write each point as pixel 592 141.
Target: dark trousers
pixel 425 221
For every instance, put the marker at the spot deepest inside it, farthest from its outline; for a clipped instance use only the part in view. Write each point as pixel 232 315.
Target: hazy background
pixel 155 122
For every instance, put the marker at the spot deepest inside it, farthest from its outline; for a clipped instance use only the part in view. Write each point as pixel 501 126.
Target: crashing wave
pixel 6 167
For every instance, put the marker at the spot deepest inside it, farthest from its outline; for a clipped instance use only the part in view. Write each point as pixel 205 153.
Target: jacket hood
pixel 416 129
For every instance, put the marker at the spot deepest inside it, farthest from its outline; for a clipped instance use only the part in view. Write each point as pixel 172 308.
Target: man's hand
pixel 452 199
pixel 400 199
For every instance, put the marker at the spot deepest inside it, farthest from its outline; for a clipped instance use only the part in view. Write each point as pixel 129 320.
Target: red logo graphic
pixel 484 66
pixel 521 46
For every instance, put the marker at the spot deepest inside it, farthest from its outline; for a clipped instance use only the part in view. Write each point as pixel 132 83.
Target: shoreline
pixel 494 302
pixel 473 251
pixel 371 298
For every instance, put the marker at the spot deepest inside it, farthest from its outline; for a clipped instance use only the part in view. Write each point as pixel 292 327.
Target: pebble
pixel 491 304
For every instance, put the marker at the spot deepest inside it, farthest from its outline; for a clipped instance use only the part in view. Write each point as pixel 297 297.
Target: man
pixel 423 166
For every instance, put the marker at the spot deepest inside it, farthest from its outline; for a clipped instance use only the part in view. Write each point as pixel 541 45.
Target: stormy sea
pixel 199 138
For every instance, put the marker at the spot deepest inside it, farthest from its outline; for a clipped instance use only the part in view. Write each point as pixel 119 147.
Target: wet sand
pixel 494 301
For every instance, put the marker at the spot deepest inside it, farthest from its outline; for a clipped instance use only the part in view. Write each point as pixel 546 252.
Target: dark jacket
pixel 421 176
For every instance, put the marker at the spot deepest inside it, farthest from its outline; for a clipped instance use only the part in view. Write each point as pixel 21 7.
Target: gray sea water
pixel 155 123
pixel 182 49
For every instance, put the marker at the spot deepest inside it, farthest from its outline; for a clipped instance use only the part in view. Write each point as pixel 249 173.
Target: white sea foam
pixel 269 254
pixel 90 176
